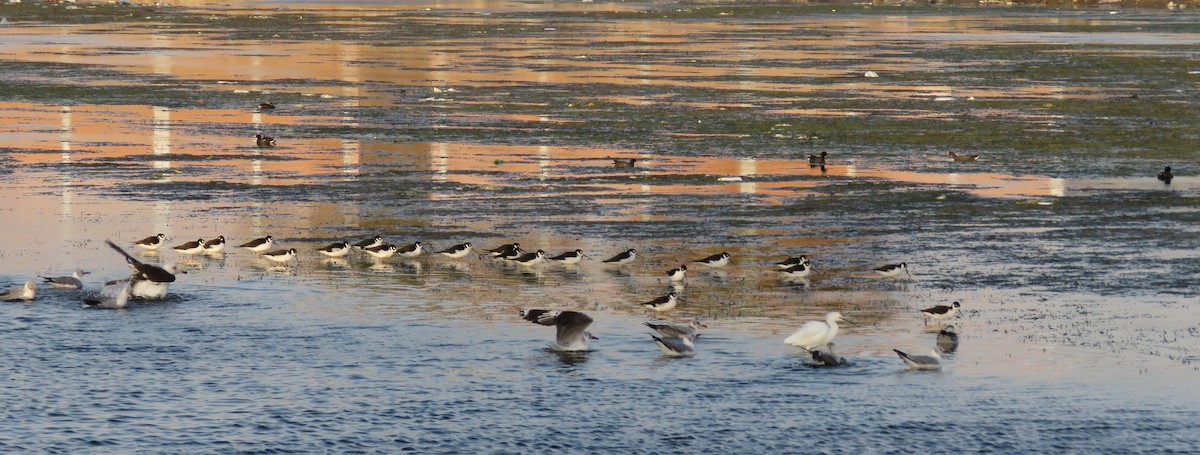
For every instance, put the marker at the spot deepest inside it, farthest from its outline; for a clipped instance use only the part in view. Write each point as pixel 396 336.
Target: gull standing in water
pixel 921 362
pixel 571 328
pixel 66 282
pixel 816 334
pixel 27 292
pixel 117 302
pixel 689 331
pixel 675 347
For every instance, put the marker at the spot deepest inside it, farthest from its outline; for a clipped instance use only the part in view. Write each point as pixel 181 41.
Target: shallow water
pixel 1077 268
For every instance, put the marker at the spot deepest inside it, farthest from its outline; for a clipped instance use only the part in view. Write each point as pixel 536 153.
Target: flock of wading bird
pixel 150 282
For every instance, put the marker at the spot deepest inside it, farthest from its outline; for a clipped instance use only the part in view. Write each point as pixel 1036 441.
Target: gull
pixel 689 331
pixel 675 347
pixel 947 339
pixel 921 362
pixel 27 292
pixel 663 303
pixel 940 312
pixel 893 270
pixel 571 328
pixel 144 271
pixel 815 334
pixel 117 302
pixel 152 242
pixel 827 357
pixel 66 282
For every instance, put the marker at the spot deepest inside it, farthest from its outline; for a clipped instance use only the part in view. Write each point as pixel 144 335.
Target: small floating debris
pixel 729 179
pixel 241 91
pixel 944 98
pixel 326 96
pixel 870 74
pixel 3 21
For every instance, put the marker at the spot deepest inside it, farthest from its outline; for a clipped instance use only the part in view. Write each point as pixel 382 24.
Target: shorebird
pixel 335 250
pixel 280 256
pixel 117 302
pixel 1165 175
pixel 797 272
pixel 958 157
pixel 817 160
pixel 529 259
pixel 816 334
pixel 893 270
pixel 510 250
pixel 368 243
pixel 27 292
pixel 570 257
pixel 624 162
pixel 264 141
pixel 66 282
pixel 622 258
pixel 266 106
pixel 716 260
pixel 457 251
pixel 259 245
pixel 663 303
pixel 148 272
pixel 190 248
pixel 677 274
pixel 381 252
pixel 151 243
pixel 940 312
pixel 690 331
pixel 675 347
pixel 789 262
pixel 947 339
pixel 921 362
pixel 571 328
pixel 411 250
pixel 215 246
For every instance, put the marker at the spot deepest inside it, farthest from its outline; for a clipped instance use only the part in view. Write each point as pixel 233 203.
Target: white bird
pixel 921 362
pixel 675 347
pixel 117 302
pixel 571 328
pixel 27 292
pixel 66 282
pixel 816 334
pixel 689 331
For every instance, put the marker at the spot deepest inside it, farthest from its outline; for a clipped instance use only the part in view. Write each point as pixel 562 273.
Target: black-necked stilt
pixel 677 274
pixel 814 335
pixel 259 245
pixel 152 243
pixel 368 243
pixel 215 246
pixel 570 257
pixel 624 162
pixel 817 160
pixel 529 259
pixel 117 302
pixel 27 292
pixel 958 157
pixel 797 272
pixel 336 250
pixel 148 272
pixel 190 248
pixel 381 252
pixel 149 290
pixel 281 256
pixel 67 282
pixel 786 263
pixel 921 362
pixel 264 141
pixel 510 250
pixel 716 260
pixel 411 250
pixel 941 312
pixel 893 270
pixel 663 303
pixel 266 106
pixel 571 328
pixel 457 251
pixel 623 257
pixel 947 339
pixel 690 331
pixel 675 347
pixel 1165 175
